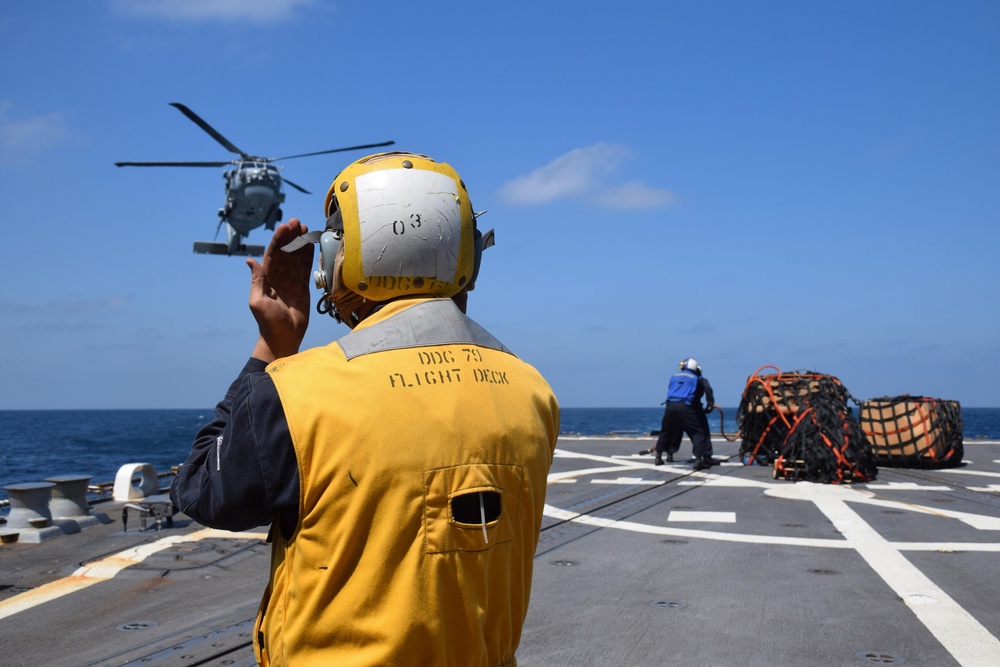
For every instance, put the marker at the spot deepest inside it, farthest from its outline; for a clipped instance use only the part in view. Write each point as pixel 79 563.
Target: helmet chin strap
pixel 346 306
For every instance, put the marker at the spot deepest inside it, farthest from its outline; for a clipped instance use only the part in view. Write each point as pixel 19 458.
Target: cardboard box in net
pixel 904 428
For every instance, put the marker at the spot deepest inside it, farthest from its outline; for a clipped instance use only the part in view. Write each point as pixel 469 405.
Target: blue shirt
pixel 688 388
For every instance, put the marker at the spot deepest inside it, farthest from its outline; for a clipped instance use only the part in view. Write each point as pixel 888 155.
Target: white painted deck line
pixel 629 480
pixel 702 517
pixel 906 486
pixel 962 635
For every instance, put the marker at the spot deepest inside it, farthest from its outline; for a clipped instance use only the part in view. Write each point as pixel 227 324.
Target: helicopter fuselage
pixel 253 190
pixel 253 197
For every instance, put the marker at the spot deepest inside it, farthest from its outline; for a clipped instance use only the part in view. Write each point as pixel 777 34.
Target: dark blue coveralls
pixel 685 414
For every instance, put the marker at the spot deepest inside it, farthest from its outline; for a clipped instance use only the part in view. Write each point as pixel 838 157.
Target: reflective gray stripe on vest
pixel 437 322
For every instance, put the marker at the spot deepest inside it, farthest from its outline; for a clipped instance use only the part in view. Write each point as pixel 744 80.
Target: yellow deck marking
pixel 107 568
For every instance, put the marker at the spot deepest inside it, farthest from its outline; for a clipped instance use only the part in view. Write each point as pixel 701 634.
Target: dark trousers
pixel 678 419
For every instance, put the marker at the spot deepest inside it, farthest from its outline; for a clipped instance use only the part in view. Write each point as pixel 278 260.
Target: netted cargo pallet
pixel 913 431
pixel 771 403
pixel 802 425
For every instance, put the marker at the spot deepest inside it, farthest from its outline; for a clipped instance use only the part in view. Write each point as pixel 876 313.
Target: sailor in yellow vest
pixel 403 467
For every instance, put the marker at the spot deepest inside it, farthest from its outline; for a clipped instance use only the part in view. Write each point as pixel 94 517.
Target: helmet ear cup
pixel 329 244
pixel 481 242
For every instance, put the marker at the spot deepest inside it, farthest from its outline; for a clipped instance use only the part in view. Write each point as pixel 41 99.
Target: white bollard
pixel 149 484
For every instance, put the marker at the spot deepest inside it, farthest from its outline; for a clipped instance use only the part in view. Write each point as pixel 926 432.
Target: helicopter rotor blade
pixel 172 164
pixel 333 150
pixel 209 129
pixel 297 187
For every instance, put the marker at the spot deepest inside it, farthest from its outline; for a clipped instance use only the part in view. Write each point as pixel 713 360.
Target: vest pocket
pixel 471 507
pixel 479 508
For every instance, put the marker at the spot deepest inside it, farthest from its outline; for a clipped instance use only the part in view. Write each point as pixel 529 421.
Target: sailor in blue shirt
pixel 684 414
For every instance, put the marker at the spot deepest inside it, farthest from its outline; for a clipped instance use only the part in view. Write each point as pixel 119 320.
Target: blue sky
pixel 809 185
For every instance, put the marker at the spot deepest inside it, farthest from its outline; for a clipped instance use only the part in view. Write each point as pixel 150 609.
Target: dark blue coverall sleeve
pixel 242 471
pixel 707 388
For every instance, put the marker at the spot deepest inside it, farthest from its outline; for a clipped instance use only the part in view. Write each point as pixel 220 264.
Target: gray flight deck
pixel 637 565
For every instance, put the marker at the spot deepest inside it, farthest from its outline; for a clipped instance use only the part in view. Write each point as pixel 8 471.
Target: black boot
pixel 670 457
pixel 702 464
pixel 659 458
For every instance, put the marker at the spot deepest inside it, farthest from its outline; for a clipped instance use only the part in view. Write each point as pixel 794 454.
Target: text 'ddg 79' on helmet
pixel 407 225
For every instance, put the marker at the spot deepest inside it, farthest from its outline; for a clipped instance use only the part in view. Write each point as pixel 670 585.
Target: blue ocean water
pixel 35 444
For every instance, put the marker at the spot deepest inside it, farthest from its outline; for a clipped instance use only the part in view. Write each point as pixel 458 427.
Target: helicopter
pixel 253 190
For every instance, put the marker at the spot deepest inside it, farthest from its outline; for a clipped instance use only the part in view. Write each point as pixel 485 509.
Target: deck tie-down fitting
pixel 30 519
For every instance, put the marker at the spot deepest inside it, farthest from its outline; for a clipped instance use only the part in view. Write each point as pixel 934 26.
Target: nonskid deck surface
pixel 637 565
pixel 647 565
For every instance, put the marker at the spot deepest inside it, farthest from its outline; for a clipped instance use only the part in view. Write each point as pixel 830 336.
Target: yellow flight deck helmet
pixel 408 227
pixel 397 224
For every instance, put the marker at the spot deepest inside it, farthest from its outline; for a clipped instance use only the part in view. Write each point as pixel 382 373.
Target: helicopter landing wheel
pixel 278 217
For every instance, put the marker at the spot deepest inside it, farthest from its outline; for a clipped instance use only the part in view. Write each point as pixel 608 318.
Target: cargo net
pixel 913 431
pixel 802 425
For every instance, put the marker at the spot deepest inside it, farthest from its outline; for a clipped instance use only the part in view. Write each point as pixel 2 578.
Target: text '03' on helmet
pixel 690 364
pixel 408 227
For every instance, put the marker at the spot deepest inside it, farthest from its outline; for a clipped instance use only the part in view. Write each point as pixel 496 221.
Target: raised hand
pixel 279 294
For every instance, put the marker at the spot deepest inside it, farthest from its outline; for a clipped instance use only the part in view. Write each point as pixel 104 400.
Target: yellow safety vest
pixel 413 413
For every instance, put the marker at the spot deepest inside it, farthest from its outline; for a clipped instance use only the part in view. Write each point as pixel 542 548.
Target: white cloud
pixel 635 195
pixel 254 11
pixel 585 174
pixel 24 138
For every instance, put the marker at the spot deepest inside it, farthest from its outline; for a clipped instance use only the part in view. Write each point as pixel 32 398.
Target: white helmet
pixel 690 364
